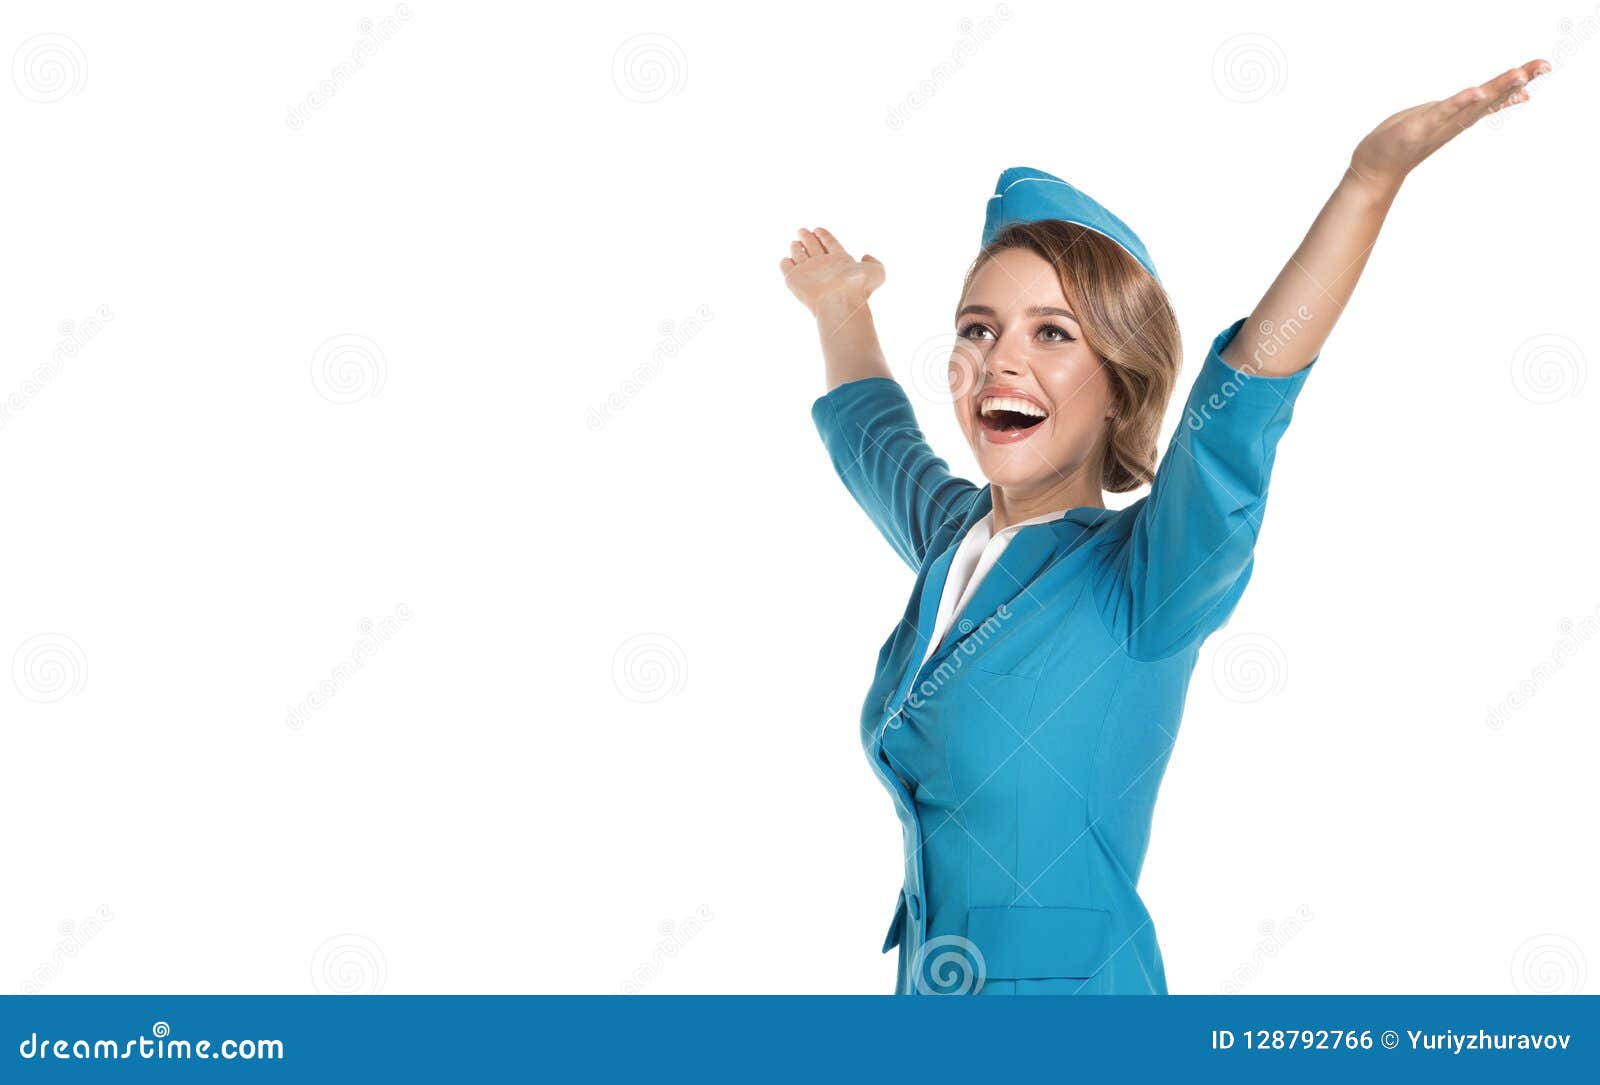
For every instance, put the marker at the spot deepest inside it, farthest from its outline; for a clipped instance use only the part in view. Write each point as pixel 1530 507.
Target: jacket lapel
pixel 933 583
pixel 1010 582
pixel 1007 584
pixel 932 592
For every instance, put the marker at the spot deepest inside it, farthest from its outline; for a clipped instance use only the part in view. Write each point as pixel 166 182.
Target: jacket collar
pixel 1007 583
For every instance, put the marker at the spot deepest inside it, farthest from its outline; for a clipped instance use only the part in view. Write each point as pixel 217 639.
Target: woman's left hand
pixel 1395 147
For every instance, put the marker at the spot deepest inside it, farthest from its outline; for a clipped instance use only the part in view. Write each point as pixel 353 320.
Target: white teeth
pixel 1008 403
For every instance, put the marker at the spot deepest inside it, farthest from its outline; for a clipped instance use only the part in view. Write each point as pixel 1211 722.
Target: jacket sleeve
pixel 1188 553
pixel 879 452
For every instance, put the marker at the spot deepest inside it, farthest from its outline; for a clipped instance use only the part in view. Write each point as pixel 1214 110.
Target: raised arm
pixel 1292 320
pixel 835 287
pixel 1190 547
pixel 865 419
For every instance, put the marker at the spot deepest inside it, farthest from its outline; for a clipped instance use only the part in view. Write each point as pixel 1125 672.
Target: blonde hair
pixel 1127 320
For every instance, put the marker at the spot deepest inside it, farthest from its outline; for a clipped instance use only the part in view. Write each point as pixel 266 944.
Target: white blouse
pixel 976 555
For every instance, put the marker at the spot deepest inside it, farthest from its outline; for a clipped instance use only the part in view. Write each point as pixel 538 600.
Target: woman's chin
pixel 1015 463
pixel 1009 470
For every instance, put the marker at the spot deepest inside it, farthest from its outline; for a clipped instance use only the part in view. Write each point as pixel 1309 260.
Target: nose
pixel 1001 363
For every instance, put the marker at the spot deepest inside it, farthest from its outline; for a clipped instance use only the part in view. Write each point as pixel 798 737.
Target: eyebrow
pixel 1032 310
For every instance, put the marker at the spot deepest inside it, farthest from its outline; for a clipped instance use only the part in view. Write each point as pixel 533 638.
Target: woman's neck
pixel 1013 505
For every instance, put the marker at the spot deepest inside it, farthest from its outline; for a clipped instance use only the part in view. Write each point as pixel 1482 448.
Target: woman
pixel 1023 709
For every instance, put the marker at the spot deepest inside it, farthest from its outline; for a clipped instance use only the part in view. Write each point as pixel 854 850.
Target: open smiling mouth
pixel 1009 418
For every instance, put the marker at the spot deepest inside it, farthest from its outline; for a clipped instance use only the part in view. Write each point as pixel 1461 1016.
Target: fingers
pixel 820 242
pixel 1468 105
pixel 1535 68
pixel 812 242
pixel 829 242
pixel 809 243
pixel 1516 97
pixel 1518 92
pixel 1462 100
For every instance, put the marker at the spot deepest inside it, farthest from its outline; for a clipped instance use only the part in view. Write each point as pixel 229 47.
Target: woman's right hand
pixel 818 270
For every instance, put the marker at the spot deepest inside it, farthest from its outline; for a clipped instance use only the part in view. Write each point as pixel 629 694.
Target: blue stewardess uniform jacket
pixel 1024 755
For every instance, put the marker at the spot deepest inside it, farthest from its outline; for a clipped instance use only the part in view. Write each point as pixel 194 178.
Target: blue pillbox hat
pixel 1029 195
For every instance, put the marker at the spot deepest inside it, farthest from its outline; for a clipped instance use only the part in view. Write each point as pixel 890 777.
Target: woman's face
pixel 1031 396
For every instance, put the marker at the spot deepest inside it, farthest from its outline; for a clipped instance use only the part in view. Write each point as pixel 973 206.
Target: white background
pixel 609 743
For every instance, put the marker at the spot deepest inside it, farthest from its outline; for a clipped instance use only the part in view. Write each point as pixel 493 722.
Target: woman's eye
pixel 974 331
pixel 1055 334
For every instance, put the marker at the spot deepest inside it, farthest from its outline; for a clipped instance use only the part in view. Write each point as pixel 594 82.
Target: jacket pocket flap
pixel 1039 943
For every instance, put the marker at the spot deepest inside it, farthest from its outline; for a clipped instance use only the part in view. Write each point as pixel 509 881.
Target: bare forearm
pixel 1293 318
pixel 850 349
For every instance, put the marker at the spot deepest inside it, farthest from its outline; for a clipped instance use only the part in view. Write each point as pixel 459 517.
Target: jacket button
pixel 914 903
